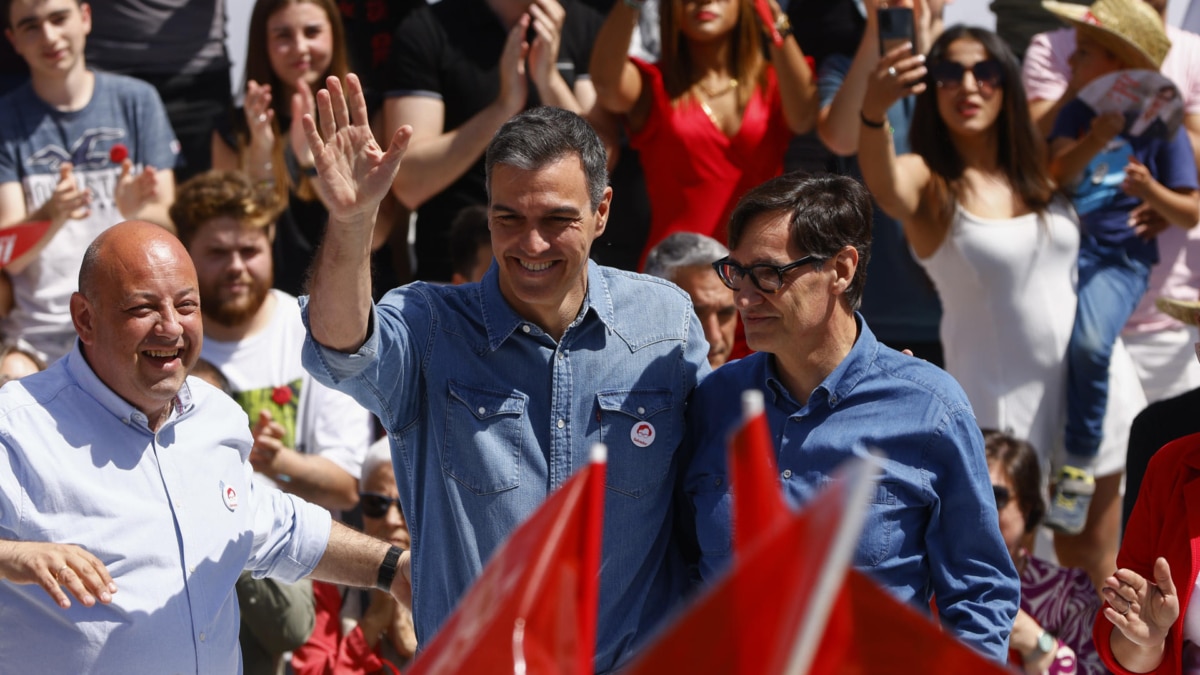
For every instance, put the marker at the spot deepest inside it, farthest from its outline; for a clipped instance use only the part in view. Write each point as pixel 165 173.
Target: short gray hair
pixel 537 137
pixel 683 249
pixel 378 454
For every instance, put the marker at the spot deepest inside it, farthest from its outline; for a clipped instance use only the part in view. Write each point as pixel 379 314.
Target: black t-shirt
pixel 451 51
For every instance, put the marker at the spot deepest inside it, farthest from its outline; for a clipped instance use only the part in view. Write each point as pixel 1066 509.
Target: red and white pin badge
pixel 642 434
pixel 229 496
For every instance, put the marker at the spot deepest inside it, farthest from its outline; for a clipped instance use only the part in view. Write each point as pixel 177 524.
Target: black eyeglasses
pixel 765 277
pixel 1003 496
pixel 375 505
pixel 988 74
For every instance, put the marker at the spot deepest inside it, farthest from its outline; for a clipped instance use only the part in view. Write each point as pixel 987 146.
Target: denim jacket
pixel 488 415
pixel 932 528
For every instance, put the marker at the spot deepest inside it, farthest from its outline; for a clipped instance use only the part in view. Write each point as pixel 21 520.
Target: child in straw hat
pixel 1110 172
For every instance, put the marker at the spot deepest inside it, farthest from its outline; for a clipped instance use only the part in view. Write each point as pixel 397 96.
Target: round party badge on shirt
pixel 642 434
pixel 229 496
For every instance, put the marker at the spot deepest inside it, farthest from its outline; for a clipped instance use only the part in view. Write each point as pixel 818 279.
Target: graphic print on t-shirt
pixel 281 401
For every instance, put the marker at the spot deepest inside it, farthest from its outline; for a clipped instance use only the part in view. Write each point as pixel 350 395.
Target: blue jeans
pixel 1110 286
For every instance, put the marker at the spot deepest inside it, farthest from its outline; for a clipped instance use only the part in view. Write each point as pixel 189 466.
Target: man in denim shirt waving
pixel 493 392
pixel 799 247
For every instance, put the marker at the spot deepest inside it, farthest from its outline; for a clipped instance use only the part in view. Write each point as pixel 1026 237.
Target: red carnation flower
pixel 282 395
pixel 118 153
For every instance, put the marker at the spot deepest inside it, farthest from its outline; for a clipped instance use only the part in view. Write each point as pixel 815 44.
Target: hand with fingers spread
pixel 56 567
pixel 133 192
pixel 546 17
pixel 898 74
pixel 1142 611
pixel 354 173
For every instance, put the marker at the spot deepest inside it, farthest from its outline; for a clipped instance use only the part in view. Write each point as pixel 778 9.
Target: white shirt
pixel 172 514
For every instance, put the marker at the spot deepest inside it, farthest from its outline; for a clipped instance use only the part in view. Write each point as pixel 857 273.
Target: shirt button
pixel 562 355
pixel 525 328
pixel 482 410
pixel 203 637
pixel 191 570
pixel 641 410
pixel 562 423
pixel 787 473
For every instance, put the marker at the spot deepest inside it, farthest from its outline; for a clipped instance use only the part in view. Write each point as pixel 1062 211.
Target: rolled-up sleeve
pixel 975 582
pixel 290 535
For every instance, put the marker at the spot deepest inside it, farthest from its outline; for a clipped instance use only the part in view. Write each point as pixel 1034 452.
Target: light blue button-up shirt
pixel 172 514
pixel 488 415
pixel 932 526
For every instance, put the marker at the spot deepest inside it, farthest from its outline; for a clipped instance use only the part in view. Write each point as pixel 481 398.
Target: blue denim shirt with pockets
pixel 932 528
pixel 488 415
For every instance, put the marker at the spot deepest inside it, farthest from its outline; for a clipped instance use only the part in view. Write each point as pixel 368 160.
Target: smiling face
pixel 49 34
pixel 543 225
pixel 233 263
pixel 300 43
pixel 969 109
pixel 139 317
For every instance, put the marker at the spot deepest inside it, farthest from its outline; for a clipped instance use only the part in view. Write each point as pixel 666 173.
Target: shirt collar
pixel 83 375
pixel 845 377
pixel 500 320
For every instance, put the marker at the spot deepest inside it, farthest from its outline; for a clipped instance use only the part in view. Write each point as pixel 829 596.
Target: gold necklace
pixel 721 92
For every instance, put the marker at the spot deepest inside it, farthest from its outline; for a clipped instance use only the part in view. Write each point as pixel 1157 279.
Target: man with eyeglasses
pixel 799 247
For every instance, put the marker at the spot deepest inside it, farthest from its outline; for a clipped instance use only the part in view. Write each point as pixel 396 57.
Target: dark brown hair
pixel 1022 151
pixel 749 66
pixel 1022 466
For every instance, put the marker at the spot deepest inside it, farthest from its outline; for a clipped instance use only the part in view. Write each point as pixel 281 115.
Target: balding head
pixel 137 313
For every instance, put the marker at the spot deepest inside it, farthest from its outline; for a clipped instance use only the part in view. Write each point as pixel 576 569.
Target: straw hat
pixel 1130 29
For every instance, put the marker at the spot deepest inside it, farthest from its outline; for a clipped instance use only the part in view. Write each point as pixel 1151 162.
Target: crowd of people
pixel 436 251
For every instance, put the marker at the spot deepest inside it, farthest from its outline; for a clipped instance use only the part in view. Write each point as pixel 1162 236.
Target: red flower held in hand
pixel 118 153
pixel 282 395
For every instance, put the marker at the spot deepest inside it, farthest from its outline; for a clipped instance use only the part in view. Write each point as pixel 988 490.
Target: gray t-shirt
pixel 35 140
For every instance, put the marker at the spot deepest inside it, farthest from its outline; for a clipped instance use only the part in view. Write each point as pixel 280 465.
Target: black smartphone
pixel 895 27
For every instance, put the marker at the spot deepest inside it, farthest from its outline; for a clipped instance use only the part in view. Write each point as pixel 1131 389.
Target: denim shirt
pixel 932 528
pixel 488 415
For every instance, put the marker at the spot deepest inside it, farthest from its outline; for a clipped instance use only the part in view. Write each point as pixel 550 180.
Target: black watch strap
pixel 387 569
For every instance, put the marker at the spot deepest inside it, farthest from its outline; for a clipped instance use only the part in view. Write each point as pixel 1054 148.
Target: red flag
pixel 760 506
pixel 533 608
pixel 16 240
pixel 767 615
pixel 873 632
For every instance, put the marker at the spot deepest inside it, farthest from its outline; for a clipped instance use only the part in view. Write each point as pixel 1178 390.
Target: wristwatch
pixel 1045 644
pixel 387 569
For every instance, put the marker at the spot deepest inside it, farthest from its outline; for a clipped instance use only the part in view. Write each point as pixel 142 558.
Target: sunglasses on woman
pixel 948 75
pixel 375 505
pixel 1003 496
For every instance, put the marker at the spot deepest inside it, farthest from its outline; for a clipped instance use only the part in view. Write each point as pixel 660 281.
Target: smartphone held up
pixel 895 27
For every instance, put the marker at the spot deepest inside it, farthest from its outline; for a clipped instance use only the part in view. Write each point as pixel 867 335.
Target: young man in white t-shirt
pixel 308 439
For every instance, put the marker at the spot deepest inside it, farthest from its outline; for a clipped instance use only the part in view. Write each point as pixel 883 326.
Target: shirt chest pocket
pixel 642 431
pixel 484 431
pixel 875 544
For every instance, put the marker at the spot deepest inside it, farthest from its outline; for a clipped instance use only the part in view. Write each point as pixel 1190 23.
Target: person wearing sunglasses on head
pixel 1053 631
pixel 359 632
pixel 985 220
pixel 799 249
